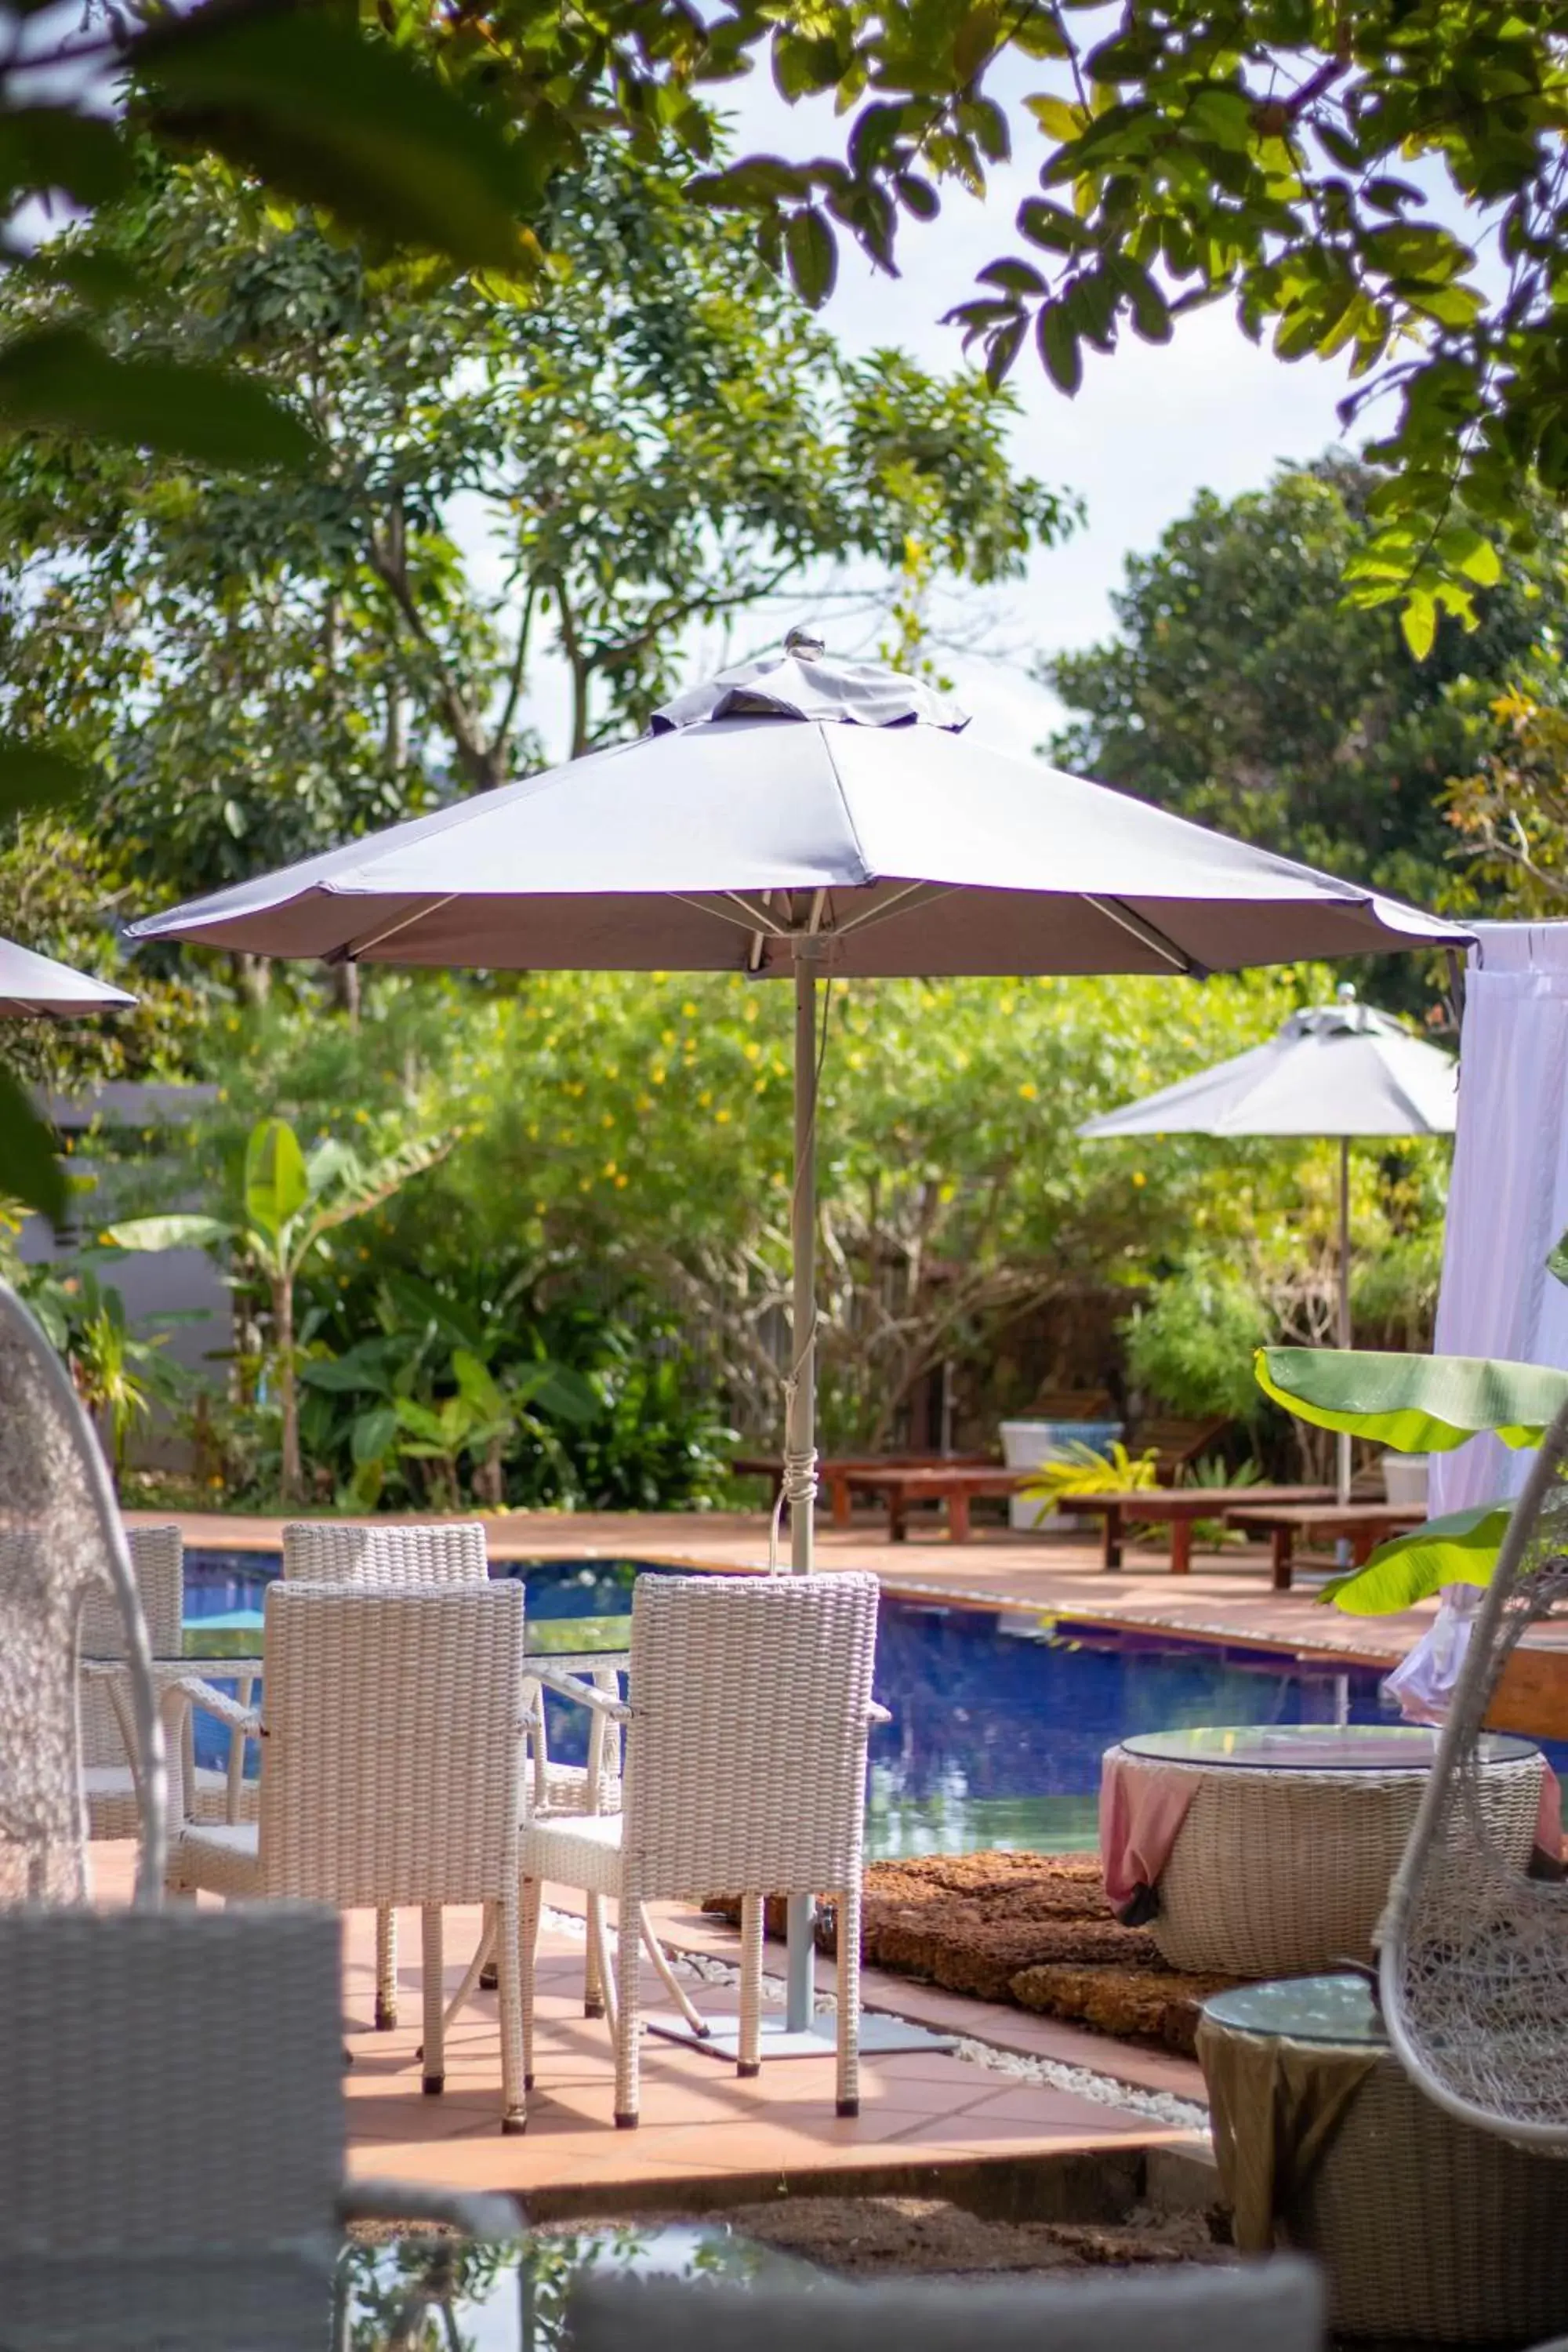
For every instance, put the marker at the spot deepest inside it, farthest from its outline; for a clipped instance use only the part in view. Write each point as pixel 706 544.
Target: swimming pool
pixel 999 1719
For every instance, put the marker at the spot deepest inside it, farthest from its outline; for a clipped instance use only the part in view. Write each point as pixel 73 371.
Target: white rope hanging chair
pixel 1473 1952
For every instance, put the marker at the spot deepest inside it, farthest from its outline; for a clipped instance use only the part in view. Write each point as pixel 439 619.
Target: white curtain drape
pixel 1508 1204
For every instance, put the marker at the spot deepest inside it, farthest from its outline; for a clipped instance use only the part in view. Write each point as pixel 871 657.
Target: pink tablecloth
pixel 1142 1812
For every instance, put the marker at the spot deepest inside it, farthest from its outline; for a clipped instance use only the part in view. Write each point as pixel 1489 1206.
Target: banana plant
pixel 289 1201
pixel 1420 1404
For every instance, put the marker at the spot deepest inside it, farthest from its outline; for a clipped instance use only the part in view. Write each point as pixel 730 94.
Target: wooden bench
pixel 842 1475
pixel 1361 1525
pixel 1182 1506
pixel 953 1484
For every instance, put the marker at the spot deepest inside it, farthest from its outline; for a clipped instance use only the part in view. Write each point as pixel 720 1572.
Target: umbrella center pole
pixel 1342 1464
pixel 800 1432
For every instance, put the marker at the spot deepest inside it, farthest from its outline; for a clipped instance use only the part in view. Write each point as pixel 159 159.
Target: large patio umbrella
pixel 801 817
pixel 35 983
pixel 1341 1069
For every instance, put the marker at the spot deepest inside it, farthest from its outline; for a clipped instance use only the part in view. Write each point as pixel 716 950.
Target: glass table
pixel 1312 1747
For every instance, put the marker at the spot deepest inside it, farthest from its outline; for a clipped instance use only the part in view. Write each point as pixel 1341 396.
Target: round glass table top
pixel 1314 1747
pixel 1336 2009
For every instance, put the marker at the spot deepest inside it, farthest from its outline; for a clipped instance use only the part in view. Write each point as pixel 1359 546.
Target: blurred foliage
pixel 1510 813
pixel 1242 692
pixel 607 1242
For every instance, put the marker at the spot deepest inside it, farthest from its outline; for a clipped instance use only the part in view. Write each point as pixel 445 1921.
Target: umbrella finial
pixel 1346 992
pixel 804 644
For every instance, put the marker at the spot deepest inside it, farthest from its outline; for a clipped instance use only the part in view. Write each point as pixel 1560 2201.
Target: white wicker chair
pixel 171 2165
pixel 745 1773
pixel 385 1555
pixel 1161 2309
pixel 392 1734
pixel 1473 1954
pixel 385 1558
pixel 157 1558
pixel 61 1545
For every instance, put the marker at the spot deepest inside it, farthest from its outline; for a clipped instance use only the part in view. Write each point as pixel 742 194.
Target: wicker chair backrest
pixel 60 1544
pixel 1473 1954
pixel 392 1742
pixel 173 2127
pixel 745 1756
pixel 158 1563
pixel 1162 2309
pixel 340 1551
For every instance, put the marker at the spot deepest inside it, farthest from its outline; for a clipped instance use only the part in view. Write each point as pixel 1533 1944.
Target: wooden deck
pixel 1226 1598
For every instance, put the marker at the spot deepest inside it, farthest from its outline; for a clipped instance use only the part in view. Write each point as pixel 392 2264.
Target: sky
pixel 1149 428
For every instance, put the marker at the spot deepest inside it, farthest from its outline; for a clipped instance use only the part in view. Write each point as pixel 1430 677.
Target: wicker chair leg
pixel 592 1965
pixel 481 1966
pixel 509 1939
pixel 671 1982
pixel 599 1938
pixel 386 1971
pixel 749 2059
pixel 435 2054
pixel 849 2088
pixel 528 1954
pixel 628 2019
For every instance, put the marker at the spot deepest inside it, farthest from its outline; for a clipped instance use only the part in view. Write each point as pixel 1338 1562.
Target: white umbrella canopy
pixel 31 983
pixel 704 845
pixel 807 817
pixel 1334 1069
pixel 1342 1070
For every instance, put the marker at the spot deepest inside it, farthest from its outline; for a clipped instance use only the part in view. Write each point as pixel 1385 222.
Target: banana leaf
pixel 1415 1404
pixel 1461 1547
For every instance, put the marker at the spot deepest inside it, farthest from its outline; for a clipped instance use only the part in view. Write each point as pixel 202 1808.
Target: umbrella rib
pixel 1137 928
pixel 351 949
pixel 926 892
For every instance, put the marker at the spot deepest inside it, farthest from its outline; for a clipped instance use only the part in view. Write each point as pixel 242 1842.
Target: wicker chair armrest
pixel 614 1710
pixel 190 1691
pixel 877 1713
pixel 492 2219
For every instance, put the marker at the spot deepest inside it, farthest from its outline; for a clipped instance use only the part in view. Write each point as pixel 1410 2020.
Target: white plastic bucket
pixel 1405 1479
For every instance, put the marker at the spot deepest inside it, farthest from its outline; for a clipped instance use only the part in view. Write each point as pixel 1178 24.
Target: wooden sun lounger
pixel 842 1476
pixel 956 1484
pixel 1182 1506
pixel 1363 1525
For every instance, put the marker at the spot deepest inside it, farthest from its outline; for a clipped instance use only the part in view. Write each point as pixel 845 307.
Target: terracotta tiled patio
pixel 706 2138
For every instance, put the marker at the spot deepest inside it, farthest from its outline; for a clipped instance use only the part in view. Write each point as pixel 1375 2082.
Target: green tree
pixel 290 1204
pixel 663 440
pixel 1241 691
pixel 1510 811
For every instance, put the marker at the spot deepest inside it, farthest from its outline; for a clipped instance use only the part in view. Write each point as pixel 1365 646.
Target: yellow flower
pixel 609 1168
pixel 704 1098
pixel 667 1037
pixel 608 1119
pixel 656 1074
pixel 720 1118
pixel 752 1050
pixel 621 1184
pixel 1138 1178
pixel 688 1011
pixel 645 1102
pixel 1029 1091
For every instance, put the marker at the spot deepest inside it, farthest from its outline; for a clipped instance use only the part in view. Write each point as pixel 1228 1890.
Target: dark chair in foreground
pixel 1275 2307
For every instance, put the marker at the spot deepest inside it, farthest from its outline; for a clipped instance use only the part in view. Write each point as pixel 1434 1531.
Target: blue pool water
pixel 999 1720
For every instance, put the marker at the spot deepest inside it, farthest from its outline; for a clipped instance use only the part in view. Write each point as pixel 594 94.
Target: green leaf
pixel 357 1368
pixel 1557 1264
pixel 374 1433
pixel 276 1185
pixel 30 1170
pixel 58 380
pixel 1417 1404
pixel 34 777
pixel 1059 346
pixel 331 118
pixel 1003 348
pixel 1013 276
pixel 168 1232
pixel 44 147
pixel 1058 119
pixel 1461 1547
pixel 812 251
pixel 1418 621
pixel 476 1387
